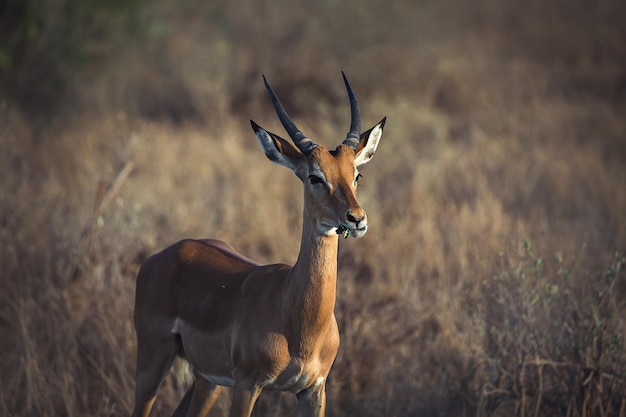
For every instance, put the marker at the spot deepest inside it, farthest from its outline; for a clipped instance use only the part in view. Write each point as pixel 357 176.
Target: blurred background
pixel 491 281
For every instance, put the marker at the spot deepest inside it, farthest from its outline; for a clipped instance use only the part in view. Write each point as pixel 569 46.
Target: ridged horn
pixel 352 139
pixel 303 143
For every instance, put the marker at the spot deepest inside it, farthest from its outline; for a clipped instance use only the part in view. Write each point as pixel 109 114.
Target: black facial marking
pixel 315 179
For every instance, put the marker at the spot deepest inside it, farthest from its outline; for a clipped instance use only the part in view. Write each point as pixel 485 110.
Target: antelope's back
pixel 197 281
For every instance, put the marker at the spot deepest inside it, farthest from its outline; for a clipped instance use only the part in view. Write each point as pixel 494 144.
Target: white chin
pixel 328 231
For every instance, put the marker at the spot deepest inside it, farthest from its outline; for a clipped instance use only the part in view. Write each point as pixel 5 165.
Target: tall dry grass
pixel 491 282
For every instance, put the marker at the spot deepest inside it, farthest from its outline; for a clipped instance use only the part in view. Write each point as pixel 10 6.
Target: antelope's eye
pixel 358 178
pixel 315 179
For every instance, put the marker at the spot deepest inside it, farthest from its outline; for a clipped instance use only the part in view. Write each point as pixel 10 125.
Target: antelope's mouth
pixel 346 231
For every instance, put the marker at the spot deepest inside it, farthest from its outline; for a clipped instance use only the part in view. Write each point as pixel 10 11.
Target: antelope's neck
pixel 313 280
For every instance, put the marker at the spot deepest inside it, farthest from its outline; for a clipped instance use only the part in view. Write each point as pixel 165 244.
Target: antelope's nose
pixel 356 217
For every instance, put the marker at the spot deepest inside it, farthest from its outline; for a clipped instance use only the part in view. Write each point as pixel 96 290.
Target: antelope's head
pixel 330 177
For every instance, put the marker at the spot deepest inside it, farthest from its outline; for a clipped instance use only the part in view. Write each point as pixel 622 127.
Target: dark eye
pixel 358 177
pixel 315 179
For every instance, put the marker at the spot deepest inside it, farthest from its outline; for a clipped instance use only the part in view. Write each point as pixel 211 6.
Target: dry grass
pixel 492 281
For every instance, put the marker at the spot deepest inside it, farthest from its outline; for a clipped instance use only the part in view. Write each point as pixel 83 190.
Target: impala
pixel 249 326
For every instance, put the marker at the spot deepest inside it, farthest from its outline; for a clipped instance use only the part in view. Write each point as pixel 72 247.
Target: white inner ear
pixel 368 151
pixel 272 153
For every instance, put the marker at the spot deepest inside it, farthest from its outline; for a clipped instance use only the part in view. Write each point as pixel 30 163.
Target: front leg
pixel 204 397
pixel 312 401
pixel 244 396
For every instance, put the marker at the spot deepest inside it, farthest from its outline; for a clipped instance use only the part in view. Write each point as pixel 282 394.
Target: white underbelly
pixel 219 379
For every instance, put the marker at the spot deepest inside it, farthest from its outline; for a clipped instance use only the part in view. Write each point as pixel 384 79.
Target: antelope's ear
pixel 277 149
pixel 368 142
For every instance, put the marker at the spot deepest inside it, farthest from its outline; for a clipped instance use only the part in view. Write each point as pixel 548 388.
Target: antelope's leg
pixel 154 359
pixel 204 396
pixel 245 395
pixel 312 401
pixel 183 405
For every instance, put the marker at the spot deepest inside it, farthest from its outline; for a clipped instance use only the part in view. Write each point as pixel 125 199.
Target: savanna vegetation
pixel 492 281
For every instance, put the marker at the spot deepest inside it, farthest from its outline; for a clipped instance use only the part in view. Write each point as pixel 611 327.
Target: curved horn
pixel 303 143
pixel 352 139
